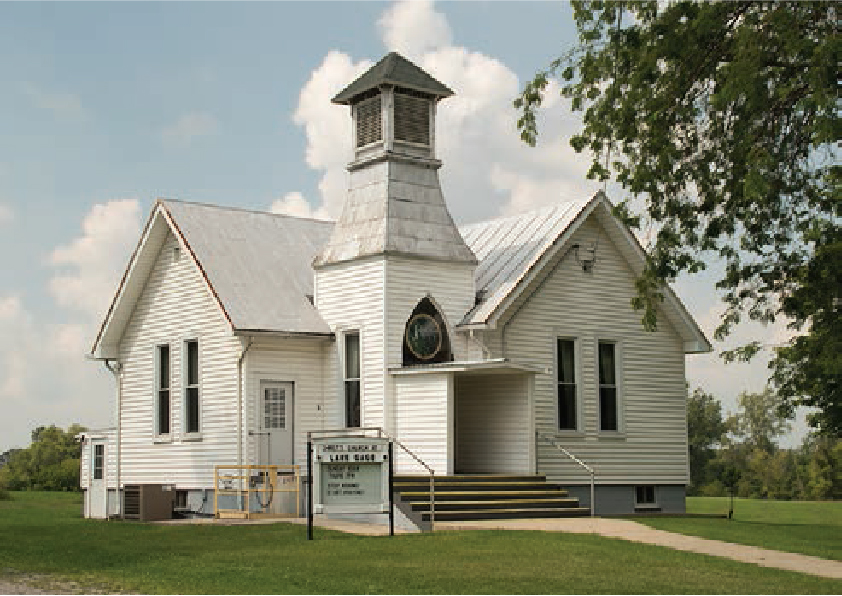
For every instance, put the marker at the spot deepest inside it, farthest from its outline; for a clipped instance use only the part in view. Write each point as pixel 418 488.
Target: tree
pixel 51 462
pixel 721 120
pixel 705 430
pixel 757 420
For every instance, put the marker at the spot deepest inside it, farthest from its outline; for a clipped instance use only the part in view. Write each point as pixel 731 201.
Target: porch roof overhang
pixel 499 366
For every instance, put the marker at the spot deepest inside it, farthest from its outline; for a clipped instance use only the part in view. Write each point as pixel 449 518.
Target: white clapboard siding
pixel 589 307
pixel 176 305
pixel 408 281
pixel 349 296
pixel 304 363
pixel 424 422
pixel 493 422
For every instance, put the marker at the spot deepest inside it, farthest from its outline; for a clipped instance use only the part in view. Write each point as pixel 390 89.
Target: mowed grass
pixel 806 527
pixel 44 533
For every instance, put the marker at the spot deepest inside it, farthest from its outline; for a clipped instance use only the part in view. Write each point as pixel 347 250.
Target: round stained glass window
pixel 423 336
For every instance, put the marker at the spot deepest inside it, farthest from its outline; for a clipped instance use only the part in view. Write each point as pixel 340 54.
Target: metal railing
pixel 551 440
pixel 256 486
pixel 432 473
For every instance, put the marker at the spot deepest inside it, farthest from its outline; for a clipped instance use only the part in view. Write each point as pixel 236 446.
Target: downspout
pixel 116 369
pixel 240 401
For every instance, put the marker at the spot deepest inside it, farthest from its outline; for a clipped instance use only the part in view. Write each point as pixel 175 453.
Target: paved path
pixel 612 528
pixel 637 532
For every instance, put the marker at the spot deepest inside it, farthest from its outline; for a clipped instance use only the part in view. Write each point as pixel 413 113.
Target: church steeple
pixel 394 204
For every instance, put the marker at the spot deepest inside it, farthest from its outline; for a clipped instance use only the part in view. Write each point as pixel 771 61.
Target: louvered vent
pixel 369 122
pixel 131 501
pixel 412 118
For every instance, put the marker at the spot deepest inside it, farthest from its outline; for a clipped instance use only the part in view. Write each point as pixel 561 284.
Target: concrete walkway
pixel 625 530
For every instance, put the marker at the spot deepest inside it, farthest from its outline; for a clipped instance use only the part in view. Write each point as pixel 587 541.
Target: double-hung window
pixel 162 406
pixel 566 378
pixel 608 403
pixel 352 380
pixel 191 388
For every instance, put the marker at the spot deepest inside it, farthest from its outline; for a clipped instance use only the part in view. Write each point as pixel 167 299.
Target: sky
pixel 108 106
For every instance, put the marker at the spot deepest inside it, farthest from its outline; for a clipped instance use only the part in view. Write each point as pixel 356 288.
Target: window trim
pixel 577 375
pixel 346 380
pixel 185 365
pixel 618 387
pixel 157 390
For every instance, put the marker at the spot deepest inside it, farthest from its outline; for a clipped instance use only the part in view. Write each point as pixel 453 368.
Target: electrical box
pixel 148 502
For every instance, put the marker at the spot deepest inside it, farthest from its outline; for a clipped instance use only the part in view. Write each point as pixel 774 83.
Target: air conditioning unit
pixel 148 502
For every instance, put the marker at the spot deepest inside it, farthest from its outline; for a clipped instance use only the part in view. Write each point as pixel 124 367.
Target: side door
pixel 98 495
pixel 275 423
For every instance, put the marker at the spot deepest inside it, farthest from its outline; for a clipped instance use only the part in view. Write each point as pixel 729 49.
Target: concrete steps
pixel 466 497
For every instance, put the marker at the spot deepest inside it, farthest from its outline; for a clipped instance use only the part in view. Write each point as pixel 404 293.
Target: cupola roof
pixel 393 69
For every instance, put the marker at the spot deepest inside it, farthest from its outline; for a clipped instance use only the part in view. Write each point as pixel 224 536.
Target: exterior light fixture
pixel 585 256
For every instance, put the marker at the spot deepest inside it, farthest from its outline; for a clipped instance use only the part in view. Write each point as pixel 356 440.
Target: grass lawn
pixel 44 533
pixel 807 527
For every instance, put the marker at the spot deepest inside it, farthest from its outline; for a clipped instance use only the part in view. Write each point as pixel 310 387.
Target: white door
pixel 274 444
pixel 98 493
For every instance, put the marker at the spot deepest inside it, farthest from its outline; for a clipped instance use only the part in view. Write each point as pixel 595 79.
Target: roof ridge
pixel 243 209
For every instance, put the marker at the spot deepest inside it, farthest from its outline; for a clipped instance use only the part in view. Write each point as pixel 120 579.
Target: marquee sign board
pixel 351 475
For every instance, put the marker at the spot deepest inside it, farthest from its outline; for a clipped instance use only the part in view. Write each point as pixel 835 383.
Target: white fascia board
pixel 535 268
pixel 102 349
pixel 697 342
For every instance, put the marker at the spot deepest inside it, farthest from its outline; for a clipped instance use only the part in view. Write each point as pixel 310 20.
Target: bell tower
pixel 396 276
pixel 394 204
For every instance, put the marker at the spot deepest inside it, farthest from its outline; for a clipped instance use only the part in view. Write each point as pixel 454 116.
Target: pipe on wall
pixel 240 401
pixel 116 369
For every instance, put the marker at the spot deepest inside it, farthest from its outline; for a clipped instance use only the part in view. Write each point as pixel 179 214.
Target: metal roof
pixel 257 263
pixel 509 247
pixel 393 69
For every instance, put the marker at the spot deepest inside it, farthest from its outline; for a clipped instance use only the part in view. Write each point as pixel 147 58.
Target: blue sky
pixel 107 106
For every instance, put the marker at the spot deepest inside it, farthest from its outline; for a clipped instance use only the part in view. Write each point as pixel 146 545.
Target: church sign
pixel 351 475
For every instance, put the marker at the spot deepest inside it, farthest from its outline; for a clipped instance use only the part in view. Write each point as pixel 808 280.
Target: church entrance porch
pixel 466 417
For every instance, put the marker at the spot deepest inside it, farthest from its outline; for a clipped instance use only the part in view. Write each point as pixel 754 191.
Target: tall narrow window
pixel 352 380
pixel 99 460
pixel 163 414
pixel 607 386
pixel 566 384
pixel 191 388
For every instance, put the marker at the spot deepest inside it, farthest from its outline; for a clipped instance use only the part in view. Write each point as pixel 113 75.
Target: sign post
pixel 350 474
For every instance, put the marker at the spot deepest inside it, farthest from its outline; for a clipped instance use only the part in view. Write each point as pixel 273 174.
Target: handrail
pixel 432 478
pixel 555 444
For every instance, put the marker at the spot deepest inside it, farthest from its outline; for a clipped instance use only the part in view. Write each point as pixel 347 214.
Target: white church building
pixel 482 348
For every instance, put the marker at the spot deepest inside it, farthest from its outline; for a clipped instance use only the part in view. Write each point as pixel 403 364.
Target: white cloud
pixel 6 214
pixel 188 127
pixel 63 105
pixel 487 170
pixel 414 27
pixel 294 203
pixel 91 264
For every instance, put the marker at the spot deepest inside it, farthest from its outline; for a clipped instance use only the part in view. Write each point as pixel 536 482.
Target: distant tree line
pixel 51 462
pixel 741 450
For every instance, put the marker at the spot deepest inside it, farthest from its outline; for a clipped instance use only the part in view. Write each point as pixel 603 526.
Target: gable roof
pixel 255 264
pixel 514 250
pixel 393 69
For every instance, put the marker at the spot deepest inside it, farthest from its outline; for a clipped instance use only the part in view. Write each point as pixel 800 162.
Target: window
pixel 191 387
pixel 644 495
pixel 608 419
pixel 99 460
pixel 566 375
pixel 162 423
pixel 352 380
